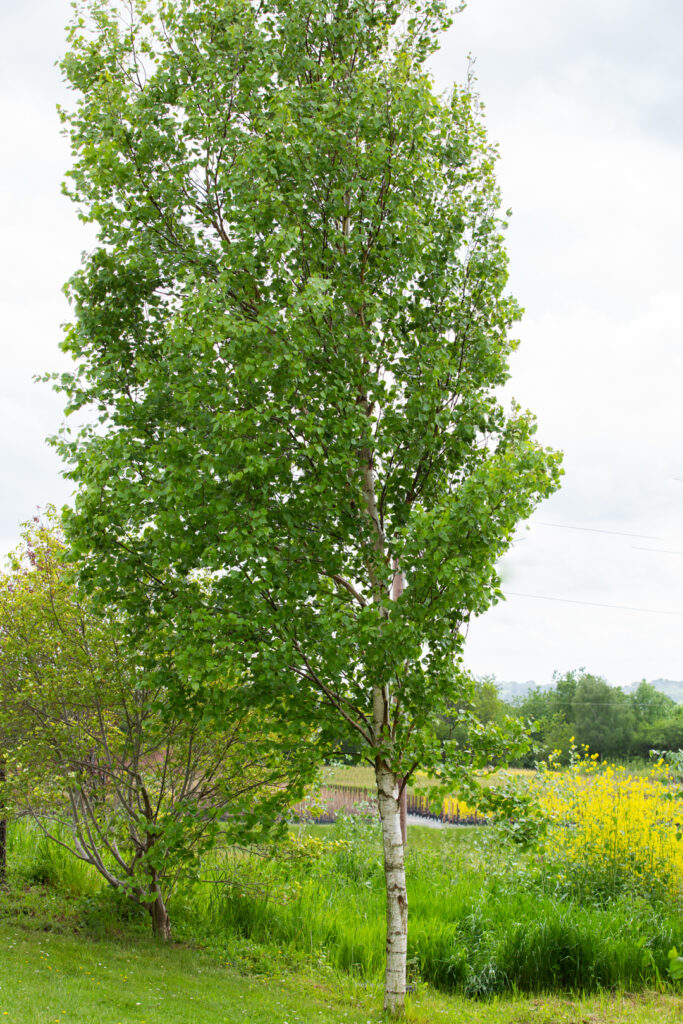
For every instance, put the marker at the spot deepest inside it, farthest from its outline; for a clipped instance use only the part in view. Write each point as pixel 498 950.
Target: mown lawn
pixel 48 978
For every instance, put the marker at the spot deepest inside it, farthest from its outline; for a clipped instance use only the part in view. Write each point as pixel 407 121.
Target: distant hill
pixel 509 691
pixel 668 686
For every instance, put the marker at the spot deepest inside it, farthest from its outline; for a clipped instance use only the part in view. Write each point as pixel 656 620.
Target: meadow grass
pixel 36 859
pixel 485 918
pixel 55 979
pixel 59 979
pixel 481 923
pixel 487 921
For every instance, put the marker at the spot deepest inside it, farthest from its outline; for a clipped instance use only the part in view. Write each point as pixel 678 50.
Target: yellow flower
pixel 615 829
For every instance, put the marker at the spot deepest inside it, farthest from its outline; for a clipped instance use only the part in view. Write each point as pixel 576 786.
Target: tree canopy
pixel 94 753
pixel 294 332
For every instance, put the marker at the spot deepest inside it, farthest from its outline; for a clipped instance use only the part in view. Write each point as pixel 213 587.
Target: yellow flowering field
pixel 611 830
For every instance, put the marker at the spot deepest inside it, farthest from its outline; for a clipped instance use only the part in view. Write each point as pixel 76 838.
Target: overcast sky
pixel 585 100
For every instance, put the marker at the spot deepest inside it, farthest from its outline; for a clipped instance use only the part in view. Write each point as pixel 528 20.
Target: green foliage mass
pixel 294 331
pixel 94 753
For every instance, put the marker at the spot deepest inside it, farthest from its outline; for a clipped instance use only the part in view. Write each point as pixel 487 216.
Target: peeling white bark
pixel 388 783
pixel 397 897
pixel 397 588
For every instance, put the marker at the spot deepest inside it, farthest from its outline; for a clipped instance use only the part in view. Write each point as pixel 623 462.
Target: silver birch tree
pixel 294 330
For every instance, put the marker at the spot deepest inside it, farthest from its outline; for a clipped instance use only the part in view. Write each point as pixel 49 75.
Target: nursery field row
pixel 327 802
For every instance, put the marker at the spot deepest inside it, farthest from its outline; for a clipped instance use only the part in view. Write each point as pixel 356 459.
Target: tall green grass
pixel 477 926
pixel 484 919
pixel 34 859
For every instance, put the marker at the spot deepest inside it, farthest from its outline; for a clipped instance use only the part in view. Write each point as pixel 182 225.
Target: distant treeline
pixel 578 709
pixel 582 708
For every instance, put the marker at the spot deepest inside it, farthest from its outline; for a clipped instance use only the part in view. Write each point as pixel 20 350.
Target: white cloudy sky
pixel 585 100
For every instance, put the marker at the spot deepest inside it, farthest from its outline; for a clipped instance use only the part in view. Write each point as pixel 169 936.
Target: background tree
pixel 602 716
pixel 658 720
pixel 294 330
pixel 551 709
pixel 481 703
pixel 649 704
pixel 96 755
pixel 582 708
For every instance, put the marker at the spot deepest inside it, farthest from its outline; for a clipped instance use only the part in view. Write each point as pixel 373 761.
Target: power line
pixel 546 691
pixel 595 604
pixel 659 551
pixel 593 529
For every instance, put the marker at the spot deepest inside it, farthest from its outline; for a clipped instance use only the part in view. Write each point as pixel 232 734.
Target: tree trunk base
pixel 161 922
pixel 397 898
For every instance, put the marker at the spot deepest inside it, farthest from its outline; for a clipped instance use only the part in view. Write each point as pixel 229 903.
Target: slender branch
pixel 343 582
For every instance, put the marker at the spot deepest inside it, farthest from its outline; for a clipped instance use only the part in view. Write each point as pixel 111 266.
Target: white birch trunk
pixel 396 590
pixel 388 789
pixel 397 897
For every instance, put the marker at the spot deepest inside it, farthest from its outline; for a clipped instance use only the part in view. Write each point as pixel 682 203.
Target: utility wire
pixel 593 529
pixel 594 604
pixel 659 551
pixel 550 689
